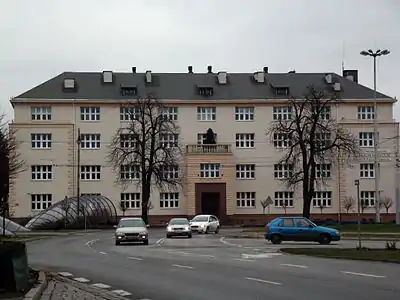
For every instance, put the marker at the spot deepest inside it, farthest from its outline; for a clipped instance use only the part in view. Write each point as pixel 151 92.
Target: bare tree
pixel 310 136
pixel 149 206
pixel 321 208
pixel 265 203
pixel 348 203
pixel 387 203
pixel 146 150
pixel 122 207
pixel 284 206
pixel 65 206
pixel 363 205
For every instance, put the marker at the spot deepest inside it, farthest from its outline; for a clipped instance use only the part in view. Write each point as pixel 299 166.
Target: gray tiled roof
pixel 183 86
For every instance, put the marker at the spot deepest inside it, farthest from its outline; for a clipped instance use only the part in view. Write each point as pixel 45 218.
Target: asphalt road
pixel 211 267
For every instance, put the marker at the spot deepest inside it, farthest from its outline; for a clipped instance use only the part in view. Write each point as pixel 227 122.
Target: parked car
pixel 299 229
pixel 205 224
pixel 179 227
pixel 131 230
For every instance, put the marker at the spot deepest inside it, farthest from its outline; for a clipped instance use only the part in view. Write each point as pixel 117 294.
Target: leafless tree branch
pixel 387 203
pixel 348 203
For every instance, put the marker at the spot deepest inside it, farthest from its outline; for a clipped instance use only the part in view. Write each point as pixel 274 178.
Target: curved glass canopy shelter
pixel 11 227
pixel 95 210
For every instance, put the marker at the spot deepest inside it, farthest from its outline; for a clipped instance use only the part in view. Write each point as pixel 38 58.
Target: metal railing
pixel 209 149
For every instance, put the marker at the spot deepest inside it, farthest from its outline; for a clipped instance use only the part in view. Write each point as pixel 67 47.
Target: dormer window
pixel 205 91
pixel 128 90
pixel 69 85
pixel 282 91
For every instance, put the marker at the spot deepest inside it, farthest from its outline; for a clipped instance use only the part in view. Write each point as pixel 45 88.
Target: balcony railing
pixel 209 149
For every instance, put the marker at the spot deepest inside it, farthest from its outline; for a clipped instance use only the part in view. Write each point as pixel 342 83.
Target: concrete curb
pixel 344 237
pixel 36 292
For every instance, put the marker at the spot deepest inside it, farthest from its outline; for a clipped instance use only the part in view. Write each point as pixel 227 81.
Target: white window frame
pixel 40 202
pixel 131 200
pixel 90 113
pixel 244 113
pixel 90 172
pixel 127 141
pixel 169 200
pixel 323 171
pixel 282 113
pixel 170 172
pixel 323 139
pixel 366 139
pixel 211 170
pixel 169 140
pixel 365 112
pixel 281 140
pixel 202 136
pixel 245 199
pixel 90 141
pixel 245 171
pixel 367 170
pixel 206 113
pixel 170 113
pixel 41 140
pixel 129 172
pixel 323 198
pixel 283 171
pixel 41 113
pixel 42 172
pixel 245 140
pixel 128 113
pixel 368 198
pixel 284 199
pixel 325 113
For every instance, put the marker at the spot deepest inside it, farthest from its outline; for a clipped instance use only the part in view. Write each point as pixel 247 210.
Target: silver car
pixel 205 224
pixel 179 227
pixel 131 230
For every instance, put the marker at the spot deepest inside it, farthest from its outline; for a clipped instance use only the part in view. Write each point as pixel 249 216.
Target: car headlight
pixel 169 228
pixel 120 233
pixel 202 225
pixel 143 233
pixel 187 228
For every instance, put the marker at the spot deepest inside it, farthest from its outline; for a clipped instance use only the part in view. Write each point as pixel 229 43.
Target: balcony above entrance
pixel 214 149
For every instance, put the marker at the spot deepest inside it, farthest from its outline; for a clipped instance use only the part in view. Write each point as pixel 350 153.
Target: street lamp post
pixel 374 55
pixel 357 184
pixel 78 173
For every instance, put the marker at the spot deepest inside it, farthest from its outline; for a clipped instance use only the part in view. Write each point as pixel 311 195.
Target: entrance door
pixel 210 203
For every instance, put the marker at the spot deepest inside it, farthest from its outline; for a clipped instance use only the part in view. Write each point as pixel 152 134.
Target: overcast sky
pixel 42 38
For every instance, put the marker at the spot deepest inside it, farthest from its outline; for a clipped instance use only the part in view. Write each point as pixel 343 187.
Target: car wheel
pixel 168 236
pixel 146 242
pixel 217 230
pixel 325 239
pixel 276 239
pixel 206 232
pixel 117 243
pixel 189 236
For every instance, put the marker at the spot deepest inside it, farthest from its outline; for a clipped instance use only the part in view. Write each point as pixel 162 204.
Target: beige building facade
pixel 238 173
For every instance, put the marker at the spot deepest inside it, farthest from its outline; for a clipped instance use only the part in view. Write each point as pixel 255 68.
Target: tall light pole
pixel 375 55
pixel 357 184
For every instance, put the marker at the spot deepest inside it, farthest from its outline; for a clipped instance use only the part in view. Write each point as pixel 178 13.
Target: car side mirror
pixel 147 226
pixel 115 226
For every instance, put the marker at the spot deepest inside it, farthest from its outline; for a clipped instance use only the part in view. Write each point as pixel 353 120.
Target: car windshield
pixel 131 223
pixel 179 222
pixel 200 219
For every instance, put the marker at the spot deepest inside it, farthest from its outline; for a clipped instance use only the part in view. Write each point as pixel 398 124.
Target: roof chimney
pixel 133 69
pixel 209 69
pixel 265 69
pixel 351 75
pixel 190 69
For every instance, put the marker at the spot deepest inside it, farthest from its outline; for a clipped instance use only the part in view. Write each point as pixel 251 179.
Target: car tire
pixel 189 236
pixel 325 239
pixel 206 232
pixel 276 239
pixel 217 230
pixel 168 236
pixel 117 243
pixel 146 242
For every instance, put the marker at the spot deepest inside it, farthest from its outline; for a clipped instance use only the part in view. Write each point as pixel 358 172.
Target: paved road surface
pixel 211 267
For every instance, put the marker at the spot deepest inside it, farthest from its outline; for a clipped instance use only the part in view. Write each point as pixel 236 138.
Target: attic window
pixel 107 76
pixel 69 83
pixel 205 91
pixel 282 91
pixel 128 90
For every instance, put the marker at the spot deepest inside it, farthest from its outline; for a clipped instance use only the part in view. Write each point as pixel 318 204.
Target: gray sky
pixel 42 38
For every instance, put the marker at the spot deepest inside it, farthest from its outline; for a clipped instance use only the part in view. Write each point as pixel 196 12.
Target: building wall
pixel 66 120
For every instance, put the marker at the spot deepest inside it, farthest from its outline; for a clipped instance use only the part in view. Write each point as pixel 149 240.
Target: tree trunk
pixel 145 202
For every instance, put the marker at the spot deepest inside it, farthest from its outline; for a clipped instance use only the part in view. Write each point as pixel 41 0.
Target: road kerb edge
pixel 36 292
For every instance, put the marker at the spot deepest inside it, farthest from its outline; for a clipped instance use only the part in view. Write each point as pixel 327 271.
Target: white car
pixel 131 230
pixel 205 224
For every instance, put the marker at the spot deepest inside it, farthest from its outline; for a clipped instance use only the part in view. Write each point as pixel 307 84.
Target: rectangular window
pixel 367 199
pixel 41 140
pixel 322 140
pixel 209 170
pixel 323 171
pixel 245 140
pixel 170 113
pixel 131 200
pixel 282 113
pixel 284 199
pixel 90 172
pixel 325 113
pixel 366 139
pixel 128 113
pixel 170 172
pixel 322 199
pixel 169 200
pixel 169 140
pixel 281 140
pixel 90 141
pixel 90 113
pixel 206 113
pixel 42 172
pixel 367 171
pixel 202 136
pixel 366 112
pixel 244 113
pixel 41 113
pixel 283 171
pixel 41 201
pixel 246 199
pixel 246 171
pixel 129 172
pixel 128 141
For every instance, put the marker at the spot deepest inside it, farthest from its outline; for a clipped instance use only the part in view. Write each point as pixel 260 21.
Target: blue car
pixel 299 229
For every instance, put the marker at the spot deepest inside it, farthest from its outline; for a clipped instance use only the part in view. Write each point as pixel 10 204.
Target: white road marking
pixel 206 255
pixel 263 281
pixel 160 241
pixel 103 253
pixel 182 266
pixel 65 274
pixel 222 240
pixel 178 252
pixel 121 293
pixel 81 279
pixel 261 255
pixel 134 258
pixel 101 286
pixel 294 266
pixel 244 259
pixel 362 274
